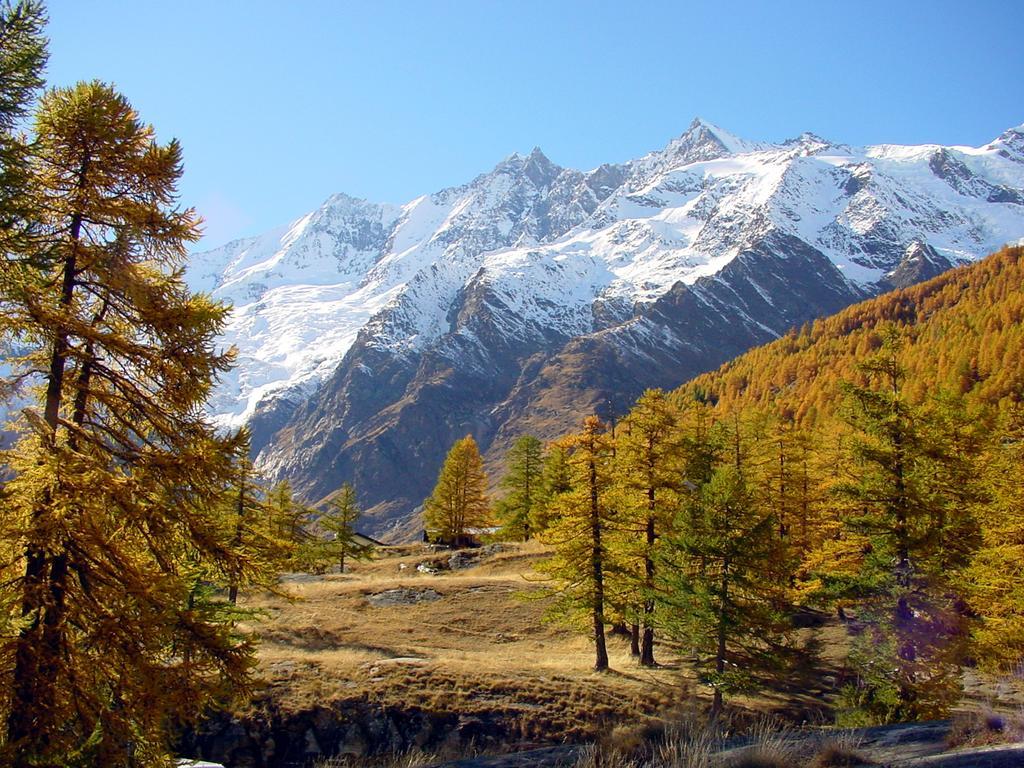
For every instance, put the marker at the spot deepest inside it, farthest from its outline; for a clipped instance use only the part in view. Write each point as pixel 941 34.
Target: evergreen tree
pixel 339 521
pixel 957 436
pixel 459 500
pixel 22 58
pixel 907 660
pixel 262 526
pixel 649 466
pixel 117 477
pixel 554 481
pixel 702 443
pixel 802 451
pixel 786 489
pixel 287 521
pixel 245 510
pixel 723 567
pixel 521 483
pixel 579 529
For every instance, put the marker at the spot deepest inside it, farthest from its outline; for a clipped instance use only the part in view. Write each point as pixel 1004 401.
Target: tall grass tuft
pixel 410 759
pixel 692 743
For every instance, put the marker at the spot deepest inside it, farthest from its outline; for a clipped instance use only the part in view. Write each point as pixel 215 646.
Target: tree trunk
pixel 527 498
pixel 634 640
pixel 783 523
pixel 647 646
pixel 39 649
pixel 38 657
pixel 716 705
pixel 900 502
pixel 239 532
pixel 597 567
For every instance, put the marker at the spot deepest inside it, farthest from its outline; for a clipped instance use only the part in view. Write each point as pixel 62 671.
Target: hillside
pixel 964 333
pixel 372 336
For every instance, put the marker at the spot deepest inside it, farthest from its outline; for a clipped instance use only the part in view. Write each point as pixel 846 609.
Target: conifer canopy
pixel 459 502
pixel 114 502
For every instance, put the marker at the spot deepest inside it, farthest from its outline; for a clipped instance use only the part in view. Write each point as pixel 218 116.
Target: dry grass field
pixel 466 641
pixel 462 660
pixel 475 641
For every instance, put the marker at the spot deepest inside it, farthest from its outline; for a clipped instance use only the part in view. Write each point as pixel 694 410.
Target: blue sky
pixel 280 104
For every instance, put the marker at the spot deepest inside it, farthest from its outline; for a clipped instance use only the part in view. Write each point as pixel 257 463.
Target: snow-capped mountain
pixel 371 336
pixel 301 293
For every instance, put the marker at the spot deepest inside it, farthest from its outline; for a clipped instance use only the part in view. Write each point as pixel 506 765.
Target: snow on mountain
pixel 301 293
pixel 563 253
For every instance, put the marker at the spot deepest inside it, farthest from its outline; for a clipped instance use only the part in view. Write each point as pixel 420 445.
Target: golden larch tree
pixel 117 480
pixel 581 518
pixel 649 471
pixel 459 502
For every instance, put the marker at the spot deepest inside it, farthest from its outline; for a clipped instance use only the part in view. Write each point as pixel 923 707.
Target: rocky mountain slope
pixel 372 336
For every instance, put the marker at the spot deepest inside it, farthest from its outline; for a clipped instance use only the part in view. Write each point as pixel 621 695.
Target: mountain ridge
pixel 534 291
pixel 961 334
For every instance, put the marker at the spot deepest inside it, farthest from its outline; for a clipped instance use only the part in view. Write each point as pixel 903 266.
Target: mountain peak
pixel 1011 142
pixel 699 123
pixel 341 199
pixel 708 130
pixel 704 141
pixel 535 166
pixel 539 169
pixel 809 143
pixel 519 159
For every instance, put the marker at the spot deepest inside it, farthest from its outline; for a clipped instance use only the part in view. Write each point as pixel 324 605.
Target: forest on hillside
pixel 867 463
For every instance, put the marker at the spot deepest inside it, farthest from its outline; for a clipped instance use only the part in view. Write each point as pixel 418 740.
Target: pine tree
pixel 805 478
pixel 288 526
pixel 907 659
pixel 522 485
pixel 22 57
pixel 649 465
pixel 117 477
pixel 581 519
pixel 459 502
pixel 261 526
pixel 554 481
pixel 957 436
pixel 339 521
pixel 786 483
pixel 244 510
pixel 727 585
